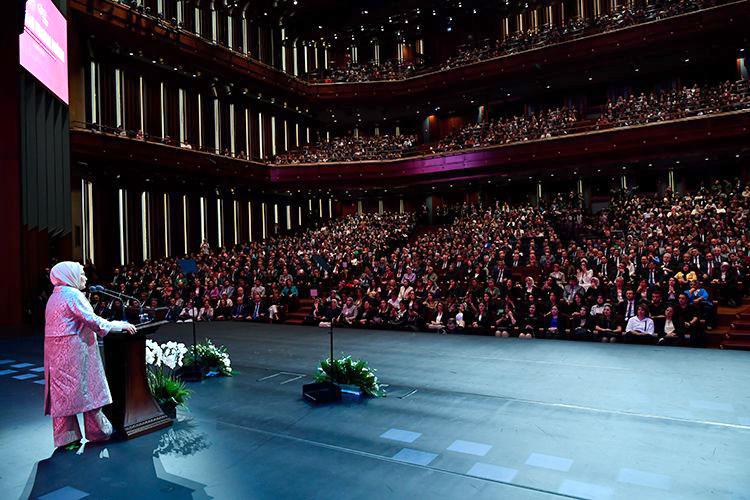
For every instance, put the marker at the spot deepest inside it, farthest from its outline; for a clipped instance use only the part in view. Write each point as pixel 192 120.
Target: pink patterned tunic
pixel 73 370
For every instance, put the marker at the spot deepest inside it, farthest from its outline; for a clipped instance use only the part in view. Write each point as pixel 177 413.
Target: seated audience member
pixel 629 307
pixel 366 315
pixel 726 283
pixel 399 318
pixel 317 314
pixel 438 319
pixel 189 312
pixel 555 325
pixel 290 295
pixel 480 325
pixel 581 325
pixel 349 313
pixel 640 328
pixel 382 314
pixel 257 310
pixel 598 307
pixel 699 298
pixel 657 308
pixel 671 331
pixel 687 321
pixel 530 324
pixel 607 327
pixel 239 310
pixel 332 311
pixel 506 323
pixel 223 308
pixel 460 318
pixel 277 307
pixel 207 312
pixel 414 320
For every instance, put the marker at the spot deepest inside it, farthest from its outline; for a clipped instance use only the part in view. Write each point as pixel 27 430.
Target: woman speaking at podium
pixel 73 370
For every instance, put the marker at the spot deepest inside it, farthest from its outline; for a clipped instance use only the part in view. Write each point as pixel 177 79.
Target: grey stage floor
pixel 490 418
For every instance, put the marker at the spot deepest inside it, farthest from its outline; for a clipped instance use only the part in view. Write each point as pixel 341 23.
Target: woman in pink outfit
pixel 73 371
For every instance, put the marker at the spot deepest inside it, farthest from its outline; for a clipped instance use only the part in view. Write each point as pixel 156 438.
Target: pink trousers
pixel 66 429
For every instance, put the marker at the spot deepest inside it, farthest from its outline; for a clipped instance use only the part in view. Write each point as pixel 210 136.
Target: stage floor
pixel 466 417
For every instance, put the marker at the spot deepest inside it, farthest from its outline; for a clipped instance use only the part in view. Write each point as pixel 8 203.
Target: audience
pixel 364 72
pixel 674 104
pixel 345 149
pixel 504 270
pixel 622 16
pixel 695 100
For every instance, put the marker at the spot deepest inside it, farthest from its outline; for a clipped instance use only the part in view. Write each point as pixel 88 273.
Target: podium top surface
pixel 151 326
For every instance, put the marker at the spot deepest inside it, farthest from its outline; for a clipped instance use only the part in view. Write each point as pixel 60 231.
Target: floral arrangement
pixel 170 354
pixel 211 357
pixel 346 370
pixel 162 361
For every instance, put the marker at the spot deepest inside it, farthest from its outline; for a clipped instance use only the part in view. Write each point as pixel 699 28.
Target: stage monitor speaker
pixel 321 393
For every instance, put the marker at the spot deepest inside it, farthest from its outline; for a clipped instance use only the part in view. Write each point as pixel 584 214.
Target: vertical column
pixel 181 116
pixel 185 223
pixel 263 218
pixel 141 104
pixel 146 225
pixel 671 181
pixel 581 9
pixel 200 122
pixel 273 135
pixel 167 225
pixel 203 209
pixel 236 220
pixel 539 192
pixel 87 217
pixel 247 134
pixel 197 17
pixel 231 130
pixel 122 215
pixel 217 127
pixel 162 110
pixel 261 144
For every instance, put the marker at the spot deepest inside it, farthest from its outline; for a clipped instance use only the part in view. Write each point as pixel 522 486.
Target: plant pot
pixel 211 371
pixel 351 392
pixel 169 409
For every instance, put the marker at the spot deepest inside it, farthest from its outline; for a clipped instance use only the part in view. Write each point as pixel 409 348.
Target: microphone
pixel 96 289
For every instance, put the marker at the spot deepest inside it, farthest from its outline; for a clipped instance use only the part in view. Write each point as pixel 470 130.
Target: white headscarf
pixel 66 274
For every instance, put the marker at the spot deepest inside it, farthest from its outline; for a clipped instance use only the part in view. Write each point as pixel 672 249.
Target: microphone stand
pixel 193 373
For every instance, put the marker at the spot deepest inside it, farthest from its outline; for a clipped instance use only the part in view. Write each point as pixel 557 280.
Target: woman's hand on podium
pixel 127 328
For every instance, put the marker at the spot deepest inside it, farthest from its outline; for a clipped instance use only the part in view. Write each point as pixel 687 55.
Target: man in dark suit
pixel 258 310
pixel 726 283
pixel 710 268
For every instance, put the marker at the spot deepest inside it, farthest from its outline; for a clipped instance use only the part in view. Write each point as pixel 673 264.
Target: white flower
pixel 170 361
pixel 153 353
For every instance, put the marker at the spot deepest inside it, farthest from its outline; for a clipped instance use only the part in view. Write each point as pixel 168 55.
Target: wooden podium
pixel 133 411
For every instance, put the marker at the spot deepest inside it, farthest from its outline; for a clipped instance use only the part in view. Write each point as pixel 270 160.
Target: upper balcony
pixel 556 63
pixel 581 153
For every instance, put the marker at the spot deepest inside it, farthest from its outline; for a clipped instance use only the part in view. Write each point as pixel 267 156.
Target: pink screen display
pixel 44 46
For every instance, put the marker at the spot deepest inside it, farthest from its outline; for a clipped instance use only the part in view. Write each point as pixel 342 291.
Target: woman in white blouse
pixel 584 275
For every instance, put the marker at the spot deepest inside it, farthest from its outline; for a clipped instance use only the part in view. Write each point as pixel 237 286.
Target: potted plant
pixel 162 361
pixel 213 360
pixel 346 371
